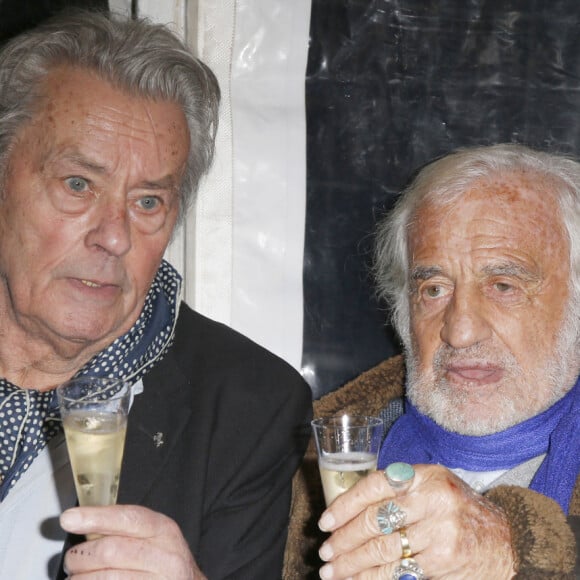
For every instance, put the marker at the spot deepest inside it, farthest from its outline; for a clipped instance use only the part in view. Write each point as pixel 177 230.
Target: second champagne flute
pixel 347 447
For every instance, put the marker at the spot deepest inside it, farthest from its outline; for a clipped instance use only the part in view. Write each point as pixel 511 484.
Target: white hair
pixel 444 181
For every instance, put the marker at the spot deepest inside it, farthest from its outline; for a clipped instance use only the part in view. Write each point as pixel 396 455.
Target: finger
pixel 376 552
pixel 378 573
pixel 364 527
pixel 378 557
pixel 125 520
pixel 367 491
pixel 114 575
pixel 115 553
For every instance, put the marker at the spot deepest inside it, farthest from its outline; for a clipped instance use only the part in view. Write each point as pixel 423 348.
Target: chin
pixel 86 333
pixel 460 413
pixel 468 411
pixel 473 418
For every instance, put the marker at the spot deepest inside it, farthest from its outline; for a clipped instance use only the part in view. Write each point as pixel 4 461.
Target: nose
pixel 464 321
pixel 111 230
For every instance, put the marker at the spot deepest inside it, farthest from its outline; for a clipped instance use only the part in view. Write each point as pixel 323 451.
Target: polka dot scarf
pixel 29 418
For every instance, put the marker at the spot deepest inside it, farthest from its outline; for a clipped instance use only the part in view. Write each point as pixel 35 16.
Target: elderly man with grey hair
pixel 478 473
pixel 106 128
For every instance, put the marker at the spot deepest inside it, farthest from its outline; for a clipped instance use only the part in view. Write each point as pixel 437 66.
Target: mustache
pixel 478 353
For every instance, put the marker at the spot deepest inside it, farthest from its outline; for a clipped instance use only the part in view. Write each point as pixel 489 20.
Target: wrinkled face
pixel 89 205
pixel 489 280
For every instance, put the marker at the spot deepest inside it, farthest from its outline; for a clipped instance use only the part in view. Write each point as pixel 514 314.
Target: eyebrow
pixel 498 269
pixel 82 162
pixel 511 269
pixel 425 272
pixel 166 182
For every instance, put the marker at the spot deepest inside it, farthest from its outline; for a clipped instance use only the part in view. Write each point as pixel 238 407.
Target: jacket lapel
pixel 156 421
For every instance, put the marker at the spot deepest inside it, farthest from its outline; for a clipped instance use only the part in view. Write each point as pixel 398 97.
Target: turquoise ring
pixel 390 518
pixel 399 475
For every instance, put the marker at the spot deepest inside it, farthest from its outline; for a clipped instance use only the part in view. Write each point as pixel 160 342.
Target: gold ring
pixel 407 552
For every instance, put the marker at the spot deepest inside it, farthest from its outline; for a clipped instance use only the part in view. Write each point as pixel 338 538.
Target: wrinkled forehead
pixel 492 216
pixel 523 194
pixel 67 88
pixel 78 107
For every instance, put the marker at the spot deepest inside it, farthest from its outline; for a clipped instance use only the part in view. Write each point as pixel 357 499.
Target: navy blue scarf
pixel 415 438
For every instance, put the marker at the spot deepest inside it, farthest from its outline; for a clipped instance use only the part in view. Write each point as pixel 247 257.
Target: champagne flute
pixel 348 448
pixel 94 415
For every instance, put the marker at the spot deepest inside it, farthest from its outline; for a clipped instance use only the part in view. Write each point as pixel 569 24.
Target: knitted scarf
pixel 415 438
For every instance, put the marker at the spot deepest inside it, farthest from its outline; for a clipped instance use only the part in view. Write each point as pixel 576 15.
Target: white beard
pixel 519 396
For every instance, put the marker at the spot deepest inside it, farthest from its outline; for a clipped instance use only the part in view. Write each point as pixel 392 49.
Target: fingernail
pixel 326 522
pixel 326 572
pixel 325 552
pixel 70 519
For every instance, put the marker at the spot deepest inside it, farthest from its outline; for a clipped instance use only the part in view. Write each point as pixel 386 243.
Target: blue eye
pixel 77 184
pixel 149 203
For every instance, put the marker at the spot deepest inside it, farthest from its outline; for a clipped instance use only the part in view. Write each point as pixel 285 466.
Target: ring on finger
pixel 408 569
pixel 399 475
pixel 390 518
pixel 406 551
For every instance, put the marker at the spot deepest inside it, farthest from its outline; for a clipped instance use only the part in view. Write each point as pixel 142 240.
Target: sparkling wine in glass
pixel 94 414
pixel 347 448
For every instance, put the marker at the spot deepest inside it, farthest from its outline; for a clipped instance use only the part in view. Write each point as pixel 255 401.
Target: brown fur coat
pixel 543 541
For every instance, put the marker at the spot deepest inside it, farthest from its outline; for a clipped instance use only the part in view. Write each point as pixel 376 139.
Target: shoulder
pixel 370 392
pixel 542 538
pixel 211 351
pixel 198 331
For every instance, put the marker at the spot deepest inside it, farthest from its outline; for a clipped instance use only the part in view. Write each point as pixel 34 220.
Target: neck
pixel 33 361
pixel 30 370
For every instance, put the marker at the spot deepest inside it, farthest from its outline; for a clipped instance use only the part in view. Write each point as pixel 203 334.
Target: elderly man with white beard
pixel 478 475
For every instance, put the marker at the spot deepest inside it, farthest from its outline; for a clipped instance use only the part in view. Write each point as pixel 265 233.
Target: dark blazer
pixel 213 442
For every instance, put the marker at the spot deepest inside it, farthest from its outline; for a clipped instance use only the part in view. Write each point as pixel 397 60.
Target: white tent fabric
pixel 241 249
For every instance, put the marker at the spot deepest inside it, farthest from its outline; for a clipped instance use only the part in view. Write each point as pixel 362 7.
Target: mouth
pixel 476 374
pixel 95 289
pixel 91 284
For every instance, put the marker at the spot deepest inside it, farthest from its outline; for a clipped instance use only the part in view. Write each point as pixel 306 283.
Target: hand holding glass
pixel 94 414
pixel 347 447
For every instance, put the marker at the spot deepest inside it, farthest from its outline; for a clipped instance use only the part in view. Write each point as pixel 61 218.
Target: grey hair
pixel 444 181
pixel 141 58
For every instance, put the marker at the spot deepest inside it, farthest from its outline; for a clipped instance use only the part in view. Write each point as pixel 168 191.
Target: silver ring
pixel 390 518
pixel 399 475
pixel 408 569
